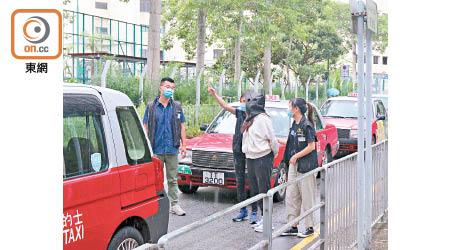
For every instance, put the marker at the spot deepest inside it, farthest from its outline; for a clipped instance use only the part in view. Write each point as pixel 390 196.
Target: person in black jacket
pixel 238 156
pixel 164 123
pixel 301 157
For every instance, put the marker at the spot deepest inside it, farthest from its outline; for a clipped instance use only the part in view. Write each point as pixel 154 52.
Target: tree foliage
pixel 303 35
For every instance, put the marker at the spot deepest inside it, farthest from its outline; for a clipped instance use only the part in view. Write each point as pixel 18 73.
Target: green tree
pixel 381 38
pixel 154 47
pixel 182 16
pixel 339 16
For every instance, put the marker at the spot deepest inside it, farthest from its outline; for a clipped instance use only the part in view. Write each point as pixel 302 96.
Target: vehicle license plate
pixel 216 178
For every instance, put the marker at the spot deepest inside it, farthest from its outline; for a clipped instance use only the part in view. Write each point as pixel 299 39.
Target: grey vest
pixel 307 162
pixel 176 121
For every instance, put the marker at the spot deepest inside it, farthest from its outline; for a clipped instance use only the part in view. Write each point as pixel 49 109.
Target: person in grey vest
pixel 164 122
pixel 301 157
pixel 238 156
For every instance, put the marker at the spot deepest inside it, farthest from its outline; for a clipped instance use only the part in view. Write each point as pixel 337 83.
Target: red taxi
pixel 113 189
pixel 342 111
pixel 209 160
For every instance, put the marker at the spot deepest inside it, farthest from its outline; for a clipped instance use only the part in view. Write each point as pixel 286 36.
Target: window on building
pixel 375 59
pixel 101 30
pixel 101 5
pixel 218 53
pixel 384 60
pixel 145 6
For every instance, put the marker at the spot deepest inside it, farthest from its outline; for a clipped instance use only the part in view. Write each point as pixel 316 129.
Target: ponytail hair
pixel 310 113
pixel 303 106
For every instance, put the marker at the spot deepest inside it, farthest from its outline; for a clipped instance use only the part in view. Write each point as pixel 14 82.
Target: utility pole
pixel 371 26
pixel 359 10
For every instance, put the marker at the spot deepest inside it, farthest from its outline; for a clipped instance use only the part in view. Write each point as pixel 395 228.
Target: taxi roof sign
pixel 352 94
pixel 273 98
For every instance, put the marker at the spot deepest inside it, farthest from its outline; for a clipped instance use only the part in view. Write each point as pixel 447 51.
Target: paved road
pixel 223 234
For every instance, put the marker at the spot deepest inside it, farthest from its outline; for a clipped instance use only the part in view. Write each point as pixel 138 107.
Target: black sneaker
pixel 291 232
pixel 307 233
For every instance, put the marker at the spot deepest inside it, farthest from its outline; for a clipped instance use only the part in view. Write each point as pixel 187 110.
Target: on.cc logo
pixel 36 34
pixel 36 29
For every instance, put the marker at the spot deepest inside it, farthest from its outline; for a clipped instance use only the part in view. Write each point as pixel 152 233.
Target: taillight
pixel 159 172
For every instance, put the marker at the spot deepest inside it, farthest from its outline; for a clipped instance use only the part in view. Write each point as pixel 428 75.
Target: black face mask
pixel 254 104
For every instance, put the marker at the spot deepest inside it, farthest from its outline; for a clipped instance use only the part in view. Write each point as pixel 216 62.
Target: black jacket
pixel 237 137
pixel 307 162
pixel 176 121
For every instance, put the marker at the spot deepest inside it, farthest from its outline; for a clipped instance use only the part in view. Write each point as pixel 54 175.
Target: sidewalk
pixel 380 235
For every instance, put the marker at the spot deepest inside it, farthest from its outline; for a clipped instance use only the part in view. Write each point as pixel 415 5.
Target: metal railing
pixel 380 182
pixel 337 205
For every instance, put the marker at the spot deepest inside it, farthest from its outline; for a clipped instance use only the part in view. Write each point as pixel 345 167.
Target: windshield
pixel 225 123
pixel 340 109
pixel 384 100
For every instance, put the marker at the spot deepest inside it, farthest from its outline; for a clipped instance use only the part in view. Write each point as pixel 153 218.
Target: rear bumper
pixel 159 222
pixel 348 145
pixel 196 178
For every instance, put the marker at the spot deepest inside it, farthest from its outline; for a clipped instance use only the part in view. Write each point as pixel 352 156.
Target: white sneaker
pixel 259 228
pixel 260 222
pixel 176 209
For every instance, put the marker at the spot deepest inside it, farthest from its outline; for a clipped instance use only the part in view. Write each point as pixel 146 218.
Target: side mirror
pixel 203 126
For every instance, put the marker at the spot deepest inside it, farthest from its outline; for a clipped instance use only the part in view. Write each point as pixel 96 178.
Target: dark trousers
pixel 239 168
pixel 259 172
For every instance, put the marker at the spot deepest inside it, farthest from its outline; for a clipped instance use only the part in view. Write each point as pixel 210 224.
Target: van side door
pixel 138 176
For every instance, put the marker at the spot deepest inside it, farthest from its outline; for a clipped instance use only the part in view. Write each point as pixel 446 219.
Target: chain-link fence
pixel 205 115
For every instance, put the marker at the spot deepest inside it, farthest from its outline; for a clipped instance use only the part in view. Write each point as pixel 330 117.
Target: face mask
pixel 168 93
pixel 242 107
pixel 290 114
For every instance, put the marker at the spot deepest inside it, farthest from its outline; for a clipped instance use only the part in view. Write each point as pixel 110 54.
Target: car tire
pixel 126 238
pixel 282 178
pixel 187 189
pixel 327 158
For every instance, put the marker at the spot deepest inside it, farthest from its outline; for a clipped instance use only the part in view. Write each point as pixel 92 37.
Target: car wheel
pixel 282 178
pixel 187 189
pixel 327 158
pixel 126 238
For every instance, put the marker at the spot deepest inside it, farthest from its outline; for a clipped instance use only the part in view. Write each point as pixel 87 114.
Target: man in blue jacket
pixel 164 122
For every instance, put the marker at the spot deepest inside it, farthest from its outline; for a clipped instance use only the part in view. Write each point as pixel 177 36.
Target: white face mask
pixel 242 107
